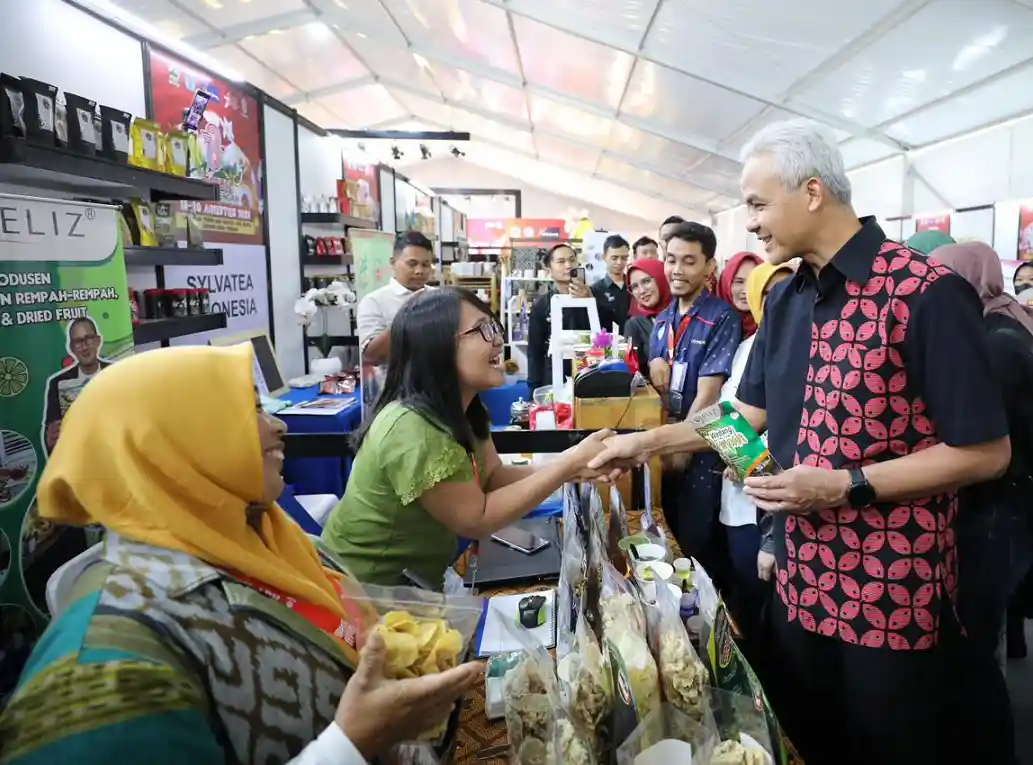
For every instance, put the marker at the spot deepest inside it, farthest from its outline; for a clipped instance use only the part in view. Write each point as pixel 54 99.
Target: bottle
pixel 689 606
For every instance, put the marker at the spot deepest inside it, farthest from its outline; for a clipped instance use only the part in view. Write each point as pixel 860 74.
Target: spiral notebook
pixel 493 637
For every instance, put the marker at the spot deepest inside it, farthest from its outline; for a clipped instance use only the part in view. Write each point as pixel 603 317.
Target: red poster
pixel 358 194
pixel 940 223
pixel 231 143
pixel 1025 248
pixel 499 232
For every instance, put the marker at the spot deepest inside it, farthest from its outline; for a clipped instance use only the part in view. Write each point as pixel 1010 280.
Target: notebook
pixel 493 637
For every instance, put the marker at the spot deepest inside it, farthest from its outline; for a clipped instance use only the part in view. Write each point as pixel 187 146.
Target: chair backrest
pixel 60 584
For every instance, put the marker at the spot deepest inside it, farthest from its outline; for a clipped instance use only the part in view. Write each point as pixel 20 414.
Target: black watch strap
pixel 860 493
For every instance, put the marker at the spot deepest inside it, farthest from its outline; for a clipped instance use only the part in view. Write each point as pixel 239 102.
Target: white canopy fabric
pixel 645 101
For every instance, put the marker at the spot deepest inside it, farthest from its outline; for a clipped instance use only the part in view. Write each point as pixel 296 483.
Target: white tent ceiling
pixel 642 102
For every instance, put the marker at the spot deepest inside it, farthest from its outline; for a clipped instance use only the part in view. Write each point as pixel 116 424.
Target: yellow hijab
pixel 755 284
pixel 164 448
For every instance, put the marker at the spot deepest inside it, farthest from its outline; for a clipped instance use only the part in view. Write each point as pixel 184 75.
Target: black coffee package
pixel 115 133
pixel 12 107
pixel 82 134
pixel 40 111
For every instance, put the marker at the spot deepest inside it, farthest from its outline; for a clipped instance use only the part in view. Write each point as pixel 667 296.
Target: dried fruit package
pixel 732 436
pixel 684 676
pixel 668 736
pixel 585 682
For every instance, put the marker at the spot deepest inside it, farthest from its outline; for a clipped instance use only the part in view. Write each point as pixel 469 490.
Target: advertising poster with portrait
pixel 1025 246
pixel 941 223
pixel 230 136
pixel 64 316
pixel 358 193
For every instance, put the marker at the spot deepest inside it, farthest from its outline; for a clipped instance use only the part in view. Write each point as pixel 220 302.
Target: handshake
pixel 604 455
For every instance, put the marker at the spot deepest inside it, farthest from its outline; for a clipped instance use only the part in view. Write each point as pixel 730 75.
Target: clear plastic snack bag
pixel 585 682
pixel 570 591
pixel 742 730
pixel 684 676
pixel 538 727
pixel 424 632
pixel 668 737
pixel 619 601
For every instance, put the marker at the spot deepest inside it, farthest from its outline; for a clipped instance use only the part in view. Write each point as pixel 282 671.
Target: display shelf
pixel 172 256
pixel 333 261
pixel 157 330
pixel 342 340
pixel 48 167
pixel 332 219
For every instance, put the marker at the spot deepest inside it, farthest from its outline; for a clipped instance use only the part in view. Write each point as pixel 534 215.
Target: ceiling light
pixel 456 153
pixel 421 61
pixel 424 151
pixel 108 9
pixel 341 4
pixel 275 32
pixel 215 4
pixel 360 35
pixel 396 153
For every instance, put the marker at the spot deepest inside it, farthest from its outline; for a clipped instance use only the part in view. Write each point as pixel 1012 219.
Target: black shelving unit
pixel 49 167
pixel 331 219
pixel 333 261
pixel 342 340
pixel 172 256
pixel 162 330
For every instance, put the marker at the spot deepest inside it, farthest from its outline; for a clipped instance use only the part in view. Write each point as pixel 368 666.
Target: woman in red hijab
pixel 650 294
pixel 731 287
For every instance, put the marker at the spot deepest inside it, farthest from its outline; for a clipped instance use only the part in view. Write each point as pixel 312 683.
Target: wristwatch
pixel 861 493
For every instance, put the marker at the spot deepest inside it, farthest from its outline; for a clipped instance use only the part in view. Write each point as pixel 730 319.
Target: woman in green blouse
pixel 425 471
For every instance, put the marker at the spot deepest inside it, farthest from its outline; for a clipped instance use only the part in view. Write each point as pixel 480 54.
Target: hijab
pixel 757 282
pixel 163 448
pixel 724 288
pixel 977 263
pixel 654 268
pixel 927 241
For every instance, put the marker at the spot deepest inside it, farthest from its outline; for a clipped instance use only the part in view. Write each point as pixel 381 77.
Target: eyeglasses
pixel 85 340
pixel 489 331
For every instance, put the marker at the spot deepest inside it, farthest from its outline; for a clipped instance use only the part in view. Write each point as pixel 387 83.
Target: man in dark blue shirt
pixel 690 357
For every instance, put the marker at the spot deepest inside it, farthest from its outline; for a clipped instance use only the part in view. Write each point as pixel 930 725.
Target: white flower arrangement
pixel 337 295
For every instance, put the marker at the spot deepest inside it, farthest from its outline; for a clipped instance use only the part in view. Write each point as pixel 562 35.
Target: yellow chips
pixel 417 646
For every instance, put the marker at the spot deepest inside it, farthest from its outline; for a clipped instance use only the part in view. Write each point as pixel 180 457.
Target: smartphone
pixel 578 274
pixel 520 540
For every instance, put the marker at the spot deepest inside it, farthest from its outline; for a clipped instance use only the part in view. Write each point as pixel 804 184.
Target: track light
pixel 456 153
pixel 396 153
pixel 424 151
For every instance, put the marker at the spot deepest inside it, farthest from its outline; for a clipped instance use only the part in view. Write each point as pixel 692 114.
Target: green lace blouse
pixel 379 527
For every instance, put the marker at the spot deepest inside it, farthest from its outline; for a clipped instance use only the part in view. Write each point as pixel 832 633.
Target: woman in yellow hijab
pixel 209 629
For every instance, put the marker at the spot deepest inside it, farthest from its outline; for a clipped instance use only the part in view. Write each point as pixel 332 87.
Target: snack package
pixel 633 673
pixel 585 684
pixel 425 632
pixel 742 729
pixel 570 591
pixel 143 215
pixel 734 678
pixel 165 224
pixel 176 156
pixel 145 144
pixel 598 560
pixel 540 733
pixel 684 676
pixel 12 106
pixel 666 737
pixel 731 436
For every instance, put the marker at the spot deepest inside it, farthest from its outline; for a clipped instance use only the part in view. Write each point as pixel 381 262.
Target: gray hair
pixel 802 149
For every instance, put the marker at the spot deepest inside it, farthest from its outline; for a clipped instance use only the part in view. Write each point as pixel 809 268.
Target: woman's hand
pixel 577 457
pixel 376 713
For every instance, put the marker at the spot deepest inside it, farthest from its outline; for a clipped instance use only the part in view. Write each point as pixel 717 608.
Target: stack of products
pixel 39 113
pixel 635 678
pixel 168 304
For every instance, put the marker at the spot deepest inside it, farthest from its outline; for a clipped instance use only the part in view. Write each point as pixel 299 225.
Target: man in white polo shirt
pixel 412 263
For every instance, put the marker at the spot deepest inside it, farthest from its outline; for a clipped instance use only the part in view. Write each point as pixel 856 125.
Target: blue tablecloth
pixel 322 475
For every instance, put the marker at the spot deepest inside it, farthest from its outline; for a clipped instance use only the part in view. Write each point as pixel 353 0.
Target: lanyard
pixel 674 338
pixel 319 616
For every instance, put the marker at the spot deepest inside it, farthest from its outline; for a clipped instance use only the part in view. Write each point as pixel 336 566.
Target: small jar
pixel 154 304
pixel 178 305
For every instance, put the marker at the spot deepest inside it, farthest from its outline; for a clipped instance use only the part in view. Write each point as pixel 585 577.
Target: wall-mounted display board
pixel 230 133
pixel 976 223
pixel 64 316
pixel 358 192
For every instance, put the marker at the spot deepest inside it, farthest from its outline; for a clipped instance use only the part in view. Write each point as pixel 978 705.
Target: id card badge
pixel 678 370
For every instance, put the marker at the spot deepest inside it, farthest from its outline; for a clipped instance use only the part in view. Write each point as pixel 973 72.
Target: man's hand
pixel 579 289
pixel 800 490
pixel 376 713
pixel 660 375
pixel 765 565
pixel 621 453
pixel 51 434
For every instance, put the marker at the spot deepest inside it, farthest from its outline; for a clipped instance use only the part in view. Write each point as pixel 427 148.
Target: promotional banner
pixel 498 232
pixel 64 316
pixel 239 289
pixel 371 251
pixel 358 194
pixel 940 223
pixel 1025 248
pixel 230 138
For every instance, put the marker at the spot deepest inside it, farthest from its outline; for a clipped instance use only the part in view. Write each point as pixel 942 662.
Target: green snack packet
pixel 732 436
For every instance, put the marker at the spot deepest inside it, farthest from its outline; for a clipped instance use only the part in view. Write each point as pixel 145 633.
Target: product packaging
pixel 742 730
pixel 40 108
pixel 154 304
pixel 585 686
pixel 570 591
pixel 666 736
pixel 82 134
pixel 165 224
pixel 176 300
pixel 145 144
pixel 732 436
pixel 135 306
pixel 425 632
pixel 115 133
pixel 12 107
pixel 60 123
pixel 684 676
pixel 176 156
pixel 141 223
